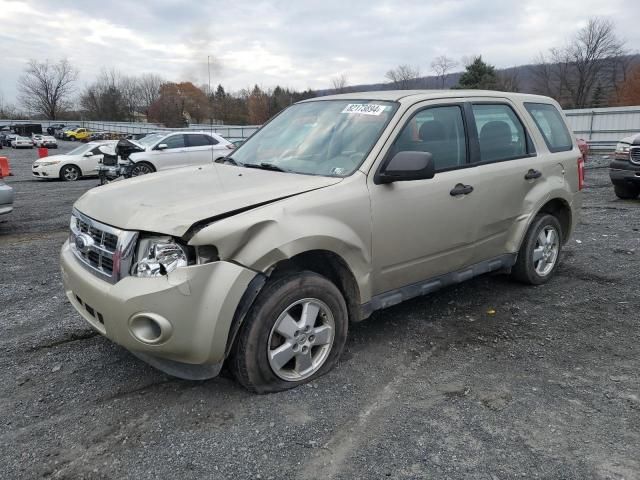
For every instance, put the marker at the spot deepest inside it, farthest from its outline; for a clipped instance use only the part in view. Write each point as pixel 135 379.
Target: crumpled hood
pixel 172 201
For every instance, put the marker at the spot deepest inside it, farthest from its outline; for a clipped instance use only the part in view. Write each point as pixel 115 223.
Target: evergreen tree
pixel 478 75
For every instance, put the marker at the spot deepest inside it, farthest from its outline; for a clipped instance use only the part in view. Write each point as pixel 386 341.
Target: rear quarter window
pixel 551 125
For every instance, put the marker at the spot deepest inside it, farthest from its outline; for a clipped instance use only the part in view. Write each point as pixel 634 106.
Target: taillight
pixel 580 173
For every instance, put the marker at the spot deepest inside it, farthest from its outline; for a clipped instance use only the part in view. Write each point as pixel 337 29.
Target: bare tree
pixel 442 65
pixel 508 80
pixel 340 83
pixel 403 77
pixel 149 85
pixel 571 73
pixel 45 88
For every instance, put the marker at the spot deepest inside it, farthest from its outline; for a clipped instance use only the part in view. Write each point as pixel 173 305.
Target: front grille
pixel 634 154
pixel 105 251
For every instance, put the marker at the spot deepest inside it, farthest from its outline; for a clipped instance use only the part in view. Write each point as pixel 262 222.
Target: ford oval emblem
pixel 83 242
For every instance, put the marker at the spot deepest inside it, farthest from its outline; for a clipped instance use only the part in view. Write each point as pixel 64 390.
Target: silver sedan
pixel 6 198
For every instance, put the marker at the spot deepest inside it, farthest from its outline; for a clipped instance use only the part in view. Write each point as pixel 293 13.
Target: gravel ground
pixel 548 386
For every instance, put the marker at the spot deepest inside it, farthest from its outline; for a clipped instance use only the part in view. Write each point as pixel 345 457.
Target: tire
pixel 70 173
pixel 252 358
pixel 538 260
pixel 626 192
pixel 142 168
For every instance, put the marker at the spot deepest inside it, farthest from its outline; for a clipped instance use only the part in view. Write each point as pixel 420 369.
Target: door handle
pixel 461 189
pixel 533 174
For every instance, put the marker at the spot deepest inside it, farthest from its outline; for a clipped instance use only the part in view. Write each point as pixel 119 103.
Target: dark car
pixel 624 169
pixel 6 139
pixel 51 129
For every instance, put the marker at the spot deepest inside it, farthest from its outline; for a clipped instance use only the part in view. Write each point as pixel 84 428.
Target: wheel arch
pixel 323 262
pixel 559 208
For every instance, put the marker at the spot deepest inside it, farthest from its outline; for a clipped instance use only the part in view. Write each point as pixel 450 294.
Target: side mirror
pixel 88 154
pixel 405 166
pixel 162 146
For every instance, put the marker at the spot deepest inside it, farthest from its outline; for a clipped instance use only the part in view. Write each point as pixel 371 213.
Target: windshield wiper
pixel 265 166
pixel 230 160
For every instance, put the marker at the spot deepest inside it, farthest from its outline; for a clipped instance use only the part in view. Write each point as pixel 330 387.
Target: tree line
pixel 593 69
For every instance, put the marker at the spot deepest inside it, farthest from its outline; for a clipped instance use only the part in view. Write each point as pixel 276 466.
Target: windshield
pixel 330 137
pixel 80 150
pixel 150 140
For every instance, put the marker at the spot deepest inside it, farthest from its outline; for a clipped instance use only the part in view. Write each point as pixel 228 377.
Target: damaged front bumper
pixel 179 323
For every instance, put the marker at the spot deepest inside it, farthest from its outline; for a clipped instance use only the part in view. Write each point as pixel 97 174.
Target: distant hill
pixel 523 75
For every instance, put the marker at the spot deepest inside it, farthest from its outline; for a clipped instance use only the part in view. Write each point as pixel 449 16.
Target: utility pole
pixel 210 98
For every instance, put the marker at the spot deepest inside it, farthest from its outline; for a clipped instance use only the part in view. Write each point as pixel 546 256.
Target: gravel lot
pixel 546 387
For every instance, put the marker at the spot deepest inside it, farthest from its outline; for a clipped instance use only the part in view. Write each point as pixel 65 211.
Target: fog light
pixel 150 328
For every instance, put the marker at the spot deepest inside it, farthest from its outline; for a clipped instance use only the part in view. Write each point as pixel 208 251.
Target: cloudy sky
pixel 296 43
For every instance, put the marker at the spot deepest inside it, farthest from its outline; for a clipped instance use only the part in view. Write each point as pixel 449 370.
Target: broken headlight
pixel 159 256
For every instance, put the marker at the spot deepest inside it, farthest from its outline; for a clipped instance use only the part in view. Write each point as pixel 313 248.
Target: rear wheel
pixel 539 254
pixel 70 173
pixel 626 192
pixel 294 333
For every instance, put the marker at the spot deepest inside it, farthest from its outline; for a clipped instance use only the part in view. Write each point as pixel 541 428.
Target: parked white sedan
pixel 162 151
pixel 21 142
pixel 45 141
pixel 79 162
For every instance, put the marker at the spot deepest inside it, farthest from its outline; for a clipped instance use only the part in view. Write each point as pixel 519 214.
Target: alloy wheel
pixel 301 339
pixel 545 252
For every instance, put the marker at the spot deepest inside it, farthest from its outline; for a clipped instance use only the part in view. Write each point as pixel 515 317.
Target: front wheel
pixel 70 173
pixel 295 332
pixel 626 192
pixel 141 168
pixel 539 254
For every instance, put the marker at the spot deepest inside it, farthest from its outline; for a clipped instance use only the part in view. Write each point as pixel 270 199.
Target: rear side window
pixel 500 133
pixel 198 140
pixel 439 131
pixel 550 123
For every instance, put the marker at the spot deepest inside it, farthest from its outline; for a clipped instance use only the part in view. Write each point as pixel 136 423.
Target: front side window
pixel 326 137
pixel 550 123
pixel 174 141
pixel 500 133
pixel 439 131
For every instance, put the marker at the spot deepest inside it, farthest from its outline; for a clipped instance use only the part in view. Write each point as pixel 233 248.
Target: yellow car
pixel 77 134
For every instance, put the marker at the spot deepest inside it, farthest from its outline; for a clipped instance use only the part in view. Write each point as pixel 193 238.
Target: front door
pixel 425 228
pixel 175 155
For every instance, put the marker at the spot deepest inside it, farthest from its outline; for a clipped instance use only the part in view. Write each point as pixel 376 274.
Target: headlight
pixel 158 256
pixel 622 148
pixel 50 162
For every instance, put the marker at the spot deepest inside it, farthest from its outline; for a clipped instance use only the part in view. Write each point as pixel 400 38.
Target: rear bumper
pixel 194 307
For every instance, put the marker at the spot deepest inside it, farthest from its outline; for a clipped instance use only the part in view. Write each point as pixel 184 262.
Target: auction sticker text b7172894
pixel 365 108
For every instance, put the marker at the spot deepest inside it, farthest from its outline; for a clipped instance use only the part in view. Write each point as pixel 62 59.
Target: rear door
pixel 510 175
pixel 200 147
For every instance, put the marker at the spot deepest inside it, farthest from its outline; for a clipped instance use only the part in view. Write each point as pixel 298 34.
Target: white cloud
pixel 301 44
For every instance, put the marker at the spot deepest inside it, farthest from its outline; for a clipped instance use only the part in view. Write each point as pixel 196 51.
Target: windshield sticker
pixel 365 108
pixel 337 171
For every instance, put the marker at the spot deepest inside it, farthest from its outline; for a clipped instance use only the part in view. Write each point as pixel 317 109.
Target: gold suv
pixel 337 207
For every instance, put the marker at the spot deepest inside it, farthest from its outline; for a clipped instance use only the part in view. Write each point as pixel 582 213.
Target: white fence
pixel 230 132
pixel 601 127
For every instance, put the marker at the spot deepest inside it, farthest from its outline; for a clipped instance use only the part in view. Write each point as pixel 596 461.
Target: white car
pixel 79 162
pixel 45 141
pixel 162 151
pixel 21 142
